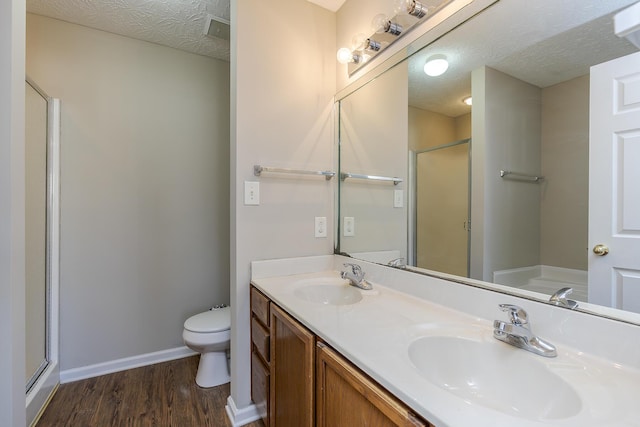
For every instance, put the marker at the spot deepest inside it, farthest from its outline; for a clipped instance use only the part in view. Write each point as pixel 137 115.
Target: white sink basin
pixel 494 375
pixel 328 291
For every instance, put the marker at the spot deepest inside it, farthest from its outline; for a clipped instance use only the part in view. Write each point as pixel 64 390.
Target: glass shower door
pixel 42 175
pixel 443 208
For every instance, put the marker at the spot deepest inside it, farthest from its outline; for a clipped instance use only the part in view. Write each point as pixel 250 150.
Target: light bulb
pixel 380 23
pixel 344 55
pixel 402 7
pixel 436 65
pixel 467 100
pixel 359 41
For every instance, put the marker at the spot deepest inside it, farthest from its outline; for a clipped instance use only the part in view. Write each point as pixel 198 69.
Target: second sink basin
pixel 329 291
pixel 496 376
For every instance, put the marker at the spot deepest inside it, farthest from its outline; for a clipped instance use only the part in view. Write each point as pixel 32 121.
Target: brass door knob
pixel 600 250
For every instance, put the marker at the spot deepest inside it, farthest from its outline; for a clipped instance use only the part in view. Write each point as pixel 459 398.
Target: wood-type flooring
pixel 163 395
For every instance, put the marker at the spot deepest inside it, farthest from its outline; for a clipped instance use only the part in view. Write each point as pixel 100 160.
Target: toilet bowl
pixel 209 334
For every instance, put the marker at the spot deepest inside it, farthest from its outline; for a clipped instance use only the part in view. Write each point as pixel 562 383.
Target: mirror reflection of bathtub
pixel 42 119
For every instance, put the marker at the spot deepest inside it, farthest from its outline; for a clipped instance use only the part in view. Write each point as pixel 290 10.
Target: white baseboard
pixel 240 417
pixel 117 365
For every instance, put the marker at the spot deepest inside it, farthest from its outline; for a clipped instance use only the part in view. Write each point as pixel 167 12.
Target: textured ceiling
pixel 175 23
pixel 542 42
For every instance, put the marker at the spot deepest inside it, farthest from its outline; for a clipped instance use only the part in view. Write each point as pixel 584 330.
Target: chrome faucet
pixel 398 263
pixel 560 298
pixel 355 275
pixel 517 332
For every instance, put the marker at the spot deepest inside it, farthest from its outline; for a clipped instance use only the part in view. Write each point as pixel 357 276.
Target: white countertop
pixel 375 334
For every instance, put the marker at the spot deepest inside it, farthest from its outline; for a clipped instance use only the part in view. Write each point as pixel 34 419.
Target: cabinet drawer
pixel 260 339
pixel 260 306
pixel 260 387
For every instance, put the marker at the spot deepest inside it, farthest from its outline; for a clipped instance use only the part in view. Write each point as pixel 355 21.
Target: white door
pixel 614 184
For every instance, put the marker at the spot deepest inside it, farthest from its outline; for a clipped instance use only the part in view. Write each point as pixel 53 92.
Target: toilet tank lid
pixel 215 320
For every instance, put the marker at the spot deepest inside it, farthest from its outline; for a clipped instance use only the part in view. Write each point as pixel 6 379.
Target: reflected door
pixel 614 190
pixel 442 208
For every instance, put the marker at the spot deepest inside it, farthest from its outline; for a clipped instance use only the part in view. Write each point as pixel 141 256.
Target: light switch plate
pixel 321 226
pixel 349 226
pixel 251 193
pixel 398 198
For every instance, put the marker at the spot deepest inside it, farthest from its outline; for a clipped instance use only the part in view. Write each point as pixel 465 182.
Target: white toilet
pixel 209 334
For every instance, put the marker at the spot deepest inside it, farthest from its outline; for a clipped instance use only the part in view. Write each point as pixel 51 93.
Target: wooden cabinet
pixel 298 384
pixel 260 353
pixel 292 372
pixel 346 397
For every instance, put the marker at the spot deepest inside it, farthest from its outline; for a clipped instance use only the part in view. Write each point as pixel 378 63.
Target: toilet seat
pixel 215 320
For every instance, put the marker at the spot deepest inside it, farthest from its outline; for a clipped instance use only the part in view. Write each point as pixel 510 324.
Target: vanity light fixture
pixel 436 65
pixel 371 44
pixel 361 42
pixel 411 7
pixel 346 55
pixel 382 24
pixel 387 29
pixel 467 100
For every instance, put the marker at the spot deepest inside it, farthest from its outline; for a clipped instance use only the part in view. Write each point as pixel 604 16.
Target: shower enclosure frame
pixel 412 241
pixel 43 383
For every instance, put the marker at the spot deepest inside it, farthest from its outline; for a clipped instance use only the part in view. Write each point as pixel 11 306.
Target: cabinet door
pixel 292 372
pixel 345 397
pixel 260 387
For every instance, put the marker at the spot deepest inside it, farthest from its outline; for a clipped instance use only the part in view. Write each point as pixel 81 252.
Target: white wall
pixel 283 82
pixel 12 262
pixel 505 214
pixel 144 187
pixel 564 206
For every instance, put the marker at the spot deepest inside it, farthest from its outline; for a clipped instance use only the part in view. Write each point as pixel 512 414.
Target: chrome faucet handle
pixel 560 298
pixel 518 332
pixel 355 269
pixel 397 262
pixel 517 315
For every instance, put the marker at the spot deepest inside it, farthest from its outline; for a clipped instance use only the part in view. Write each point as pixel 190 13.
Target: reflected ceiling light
pixel 436 65
pixel 467 100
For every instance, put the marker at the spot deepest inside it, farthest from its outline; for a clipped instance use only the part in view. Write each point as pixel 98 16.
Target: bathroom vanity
pixel 419 350
pixel 294 373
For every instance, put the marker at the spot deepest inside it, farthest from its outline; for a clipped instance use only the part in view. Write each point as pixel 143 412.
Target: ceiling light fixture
pixel 436 65
pixel 467 100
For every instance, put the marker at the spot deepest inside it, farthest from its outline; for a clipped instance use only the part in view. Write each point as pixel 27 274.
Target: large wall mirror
pixel 495 191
